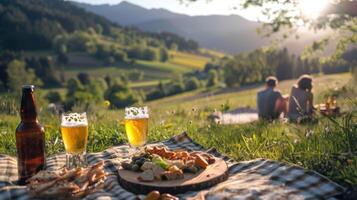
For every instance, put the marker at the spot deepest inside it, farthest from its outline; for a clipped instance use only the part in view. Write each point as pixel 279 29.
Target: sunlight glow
pixel 312 8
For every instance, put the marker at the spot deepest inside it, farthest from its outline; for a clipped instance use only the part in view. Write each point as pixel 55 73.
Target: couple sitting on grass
pixel 297 106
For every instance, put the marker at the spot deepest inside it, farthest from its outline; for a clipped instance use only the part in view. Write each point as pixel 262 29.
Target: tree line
pixel 254 67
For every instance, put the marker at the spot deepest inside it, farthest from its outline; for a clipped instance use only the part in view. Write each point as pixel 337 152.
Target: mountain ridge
pixel 226 33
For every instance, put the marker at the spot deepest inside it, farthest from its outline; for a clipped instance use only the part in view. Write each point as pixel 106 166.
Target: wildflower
pixel 106 103
pixel 309 133
pixel 169 125
pixel 349 161
pixel 327 130
pixel 284 120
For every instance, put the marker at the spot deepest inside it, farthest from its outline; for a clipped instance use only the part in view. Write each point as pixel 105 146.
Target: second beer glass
pixel 74 128
pixel 136 125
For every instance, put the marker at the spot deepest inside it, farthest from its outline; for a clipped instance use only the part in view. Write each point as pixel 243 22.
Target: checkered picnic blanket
pixel 261 178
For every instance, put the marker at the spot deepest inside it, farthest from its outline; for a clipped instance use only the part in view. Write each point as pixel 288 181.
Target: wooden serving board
pixel 212 175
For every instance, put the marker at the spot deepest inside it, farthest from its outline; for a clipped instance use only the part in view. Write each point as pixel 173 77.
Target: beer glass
pixel 74 128
pixel 136 126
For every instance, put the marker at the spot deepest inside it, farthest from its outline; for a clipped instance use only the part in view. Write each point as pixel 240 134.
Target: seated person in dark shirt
pixel 270 102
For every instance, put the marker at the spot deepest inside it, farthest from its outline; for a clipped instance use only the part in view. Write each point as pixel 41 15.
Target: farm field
pixel 179 63
pixel 322 147
pixel 188 60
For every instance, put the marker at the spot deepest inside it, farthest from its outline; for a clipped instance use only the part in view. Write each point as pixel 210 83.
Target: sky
pixel 201 7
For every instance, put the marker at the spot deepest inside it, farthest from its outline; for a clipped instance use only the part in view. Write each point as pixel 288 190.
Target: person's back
pixel 267 100
pixel 266 103
pixel 301 99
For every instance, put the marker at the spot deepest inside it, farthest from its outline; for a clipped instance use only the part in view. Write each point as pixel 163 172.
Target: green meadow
pixel 327 147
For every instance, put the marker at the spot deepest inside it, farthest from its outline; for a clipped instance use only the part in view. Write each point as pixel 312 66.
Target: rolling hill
pixel 231 34
pixel 41 29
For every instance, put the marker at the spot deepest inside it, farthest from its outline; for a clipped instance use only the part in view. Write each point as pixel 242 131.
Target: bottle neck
pixel 28 110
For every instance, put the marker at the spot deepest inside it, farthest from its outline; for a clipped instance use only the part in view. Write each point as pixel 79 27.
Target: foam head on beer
pixel 74 128
pixel 136 125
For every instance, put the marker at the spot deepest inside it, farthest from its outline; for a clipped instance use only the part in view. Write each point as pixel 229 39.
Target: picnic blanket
pixel 260 178
pixel 237 116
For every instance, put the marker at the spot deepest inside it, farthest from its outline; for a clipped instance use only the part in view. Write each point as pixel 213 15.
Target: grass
pixel 325 147
pixel 151 72
pixel 146 84
pixel 212 53
pixel 191 61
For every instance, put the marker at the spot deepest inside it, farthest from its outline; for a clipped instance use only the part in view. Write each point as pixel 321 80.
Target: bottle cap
pixel 28 87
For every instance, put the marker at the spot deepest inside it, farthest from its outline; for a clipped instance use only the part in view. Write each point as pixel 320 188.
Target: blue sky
pixel 201 7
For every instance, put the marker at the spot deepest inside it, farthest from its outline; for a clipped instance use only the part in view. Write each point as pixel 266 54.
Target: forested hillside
pixel 33 25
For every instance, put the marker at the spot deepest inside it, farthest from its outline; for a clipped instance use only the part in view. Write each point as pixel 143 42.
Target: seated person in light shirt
pixel 270 102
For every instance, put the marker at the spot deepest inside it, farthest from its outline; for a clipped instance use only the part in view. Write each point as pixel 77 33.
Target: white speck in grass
pixel 327 130
pixel 56 140
pixel 309 133
pixel 296 141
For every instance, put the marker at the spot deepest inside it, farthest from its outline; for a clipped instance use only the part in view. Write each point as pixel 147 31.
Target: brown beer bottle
pixel 30 138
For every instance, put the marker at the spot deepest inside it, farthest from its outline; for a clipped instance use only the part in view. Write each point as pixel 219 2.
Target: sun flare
pixel 312 8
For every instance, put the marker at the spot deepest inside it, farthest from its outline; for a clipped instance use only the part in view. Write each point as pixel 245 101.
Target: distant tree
pixel 73 85
pixel 120 95
pixel 150 54
pixel 212 78
pixel 97 89
pixel 120 55
pixel 192 84
pixel 164 55
pixel 5 58
pixel 45 70
pixel 84 78
pixel 143 53
pixel 176 87
pixel 91 48
pixel 101 82
pixel 173 47
pixel 136 75
pixel 62 59
pixel 18 75
pixel 108 79
pixel 54 97
pixel 82 98
pixel 157 93
pixel 99 29
pixel 109 60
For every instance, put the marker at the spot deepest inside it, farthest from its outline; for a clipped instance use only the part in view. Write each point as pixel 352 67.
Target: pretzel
pixel 67 184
